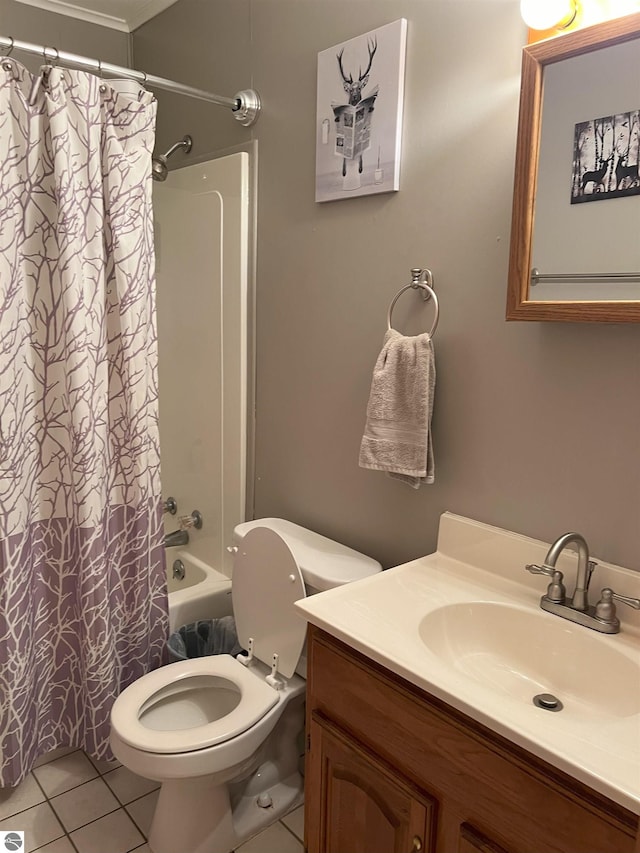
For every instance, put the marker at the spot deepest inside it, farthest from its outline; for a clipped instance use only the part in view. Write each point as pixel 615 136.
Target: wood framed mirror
pixel 575 230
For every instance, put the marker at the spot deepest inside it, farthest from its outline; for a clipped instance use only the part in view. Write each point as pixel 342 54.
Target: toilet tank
pixel 324 564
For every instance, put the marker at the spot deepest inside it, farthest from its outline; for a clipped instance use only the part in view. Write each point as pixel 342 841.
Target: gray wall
pixel 535 425
pixel 27 23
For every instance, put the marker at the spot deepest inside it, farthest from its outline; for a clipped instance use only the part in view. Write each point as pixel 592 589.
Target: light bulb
pixel 548 14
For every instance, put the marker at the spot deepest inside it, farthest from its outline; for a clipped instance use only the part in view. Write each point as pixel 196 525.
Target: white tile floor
pixel 72 804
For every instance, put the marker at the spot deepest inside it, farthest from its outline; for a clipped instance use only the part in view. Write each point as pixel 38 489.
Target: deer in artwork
pixel 626 173
pixel 354 88
pixel 597 176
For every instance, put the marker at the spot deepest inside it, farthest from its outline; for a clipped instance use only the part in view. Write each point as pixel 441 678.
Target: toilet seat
pixel 265 585
pixel 149 713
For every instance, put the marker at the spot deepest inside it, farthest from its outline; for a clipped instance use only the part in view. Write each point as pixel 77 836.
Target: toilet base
pixel 194 815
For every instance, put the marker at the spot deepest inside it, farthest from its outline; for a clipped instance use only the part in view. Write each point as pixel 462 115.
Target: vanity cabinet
pixel 391 769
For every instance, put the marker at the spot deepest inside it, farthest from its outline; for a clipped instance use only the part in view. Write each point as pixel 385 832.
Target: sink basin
pixel 521 652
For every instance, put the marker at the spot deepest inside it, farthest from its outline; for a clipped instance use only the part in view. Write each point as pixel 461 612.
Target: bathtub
pixel 203 593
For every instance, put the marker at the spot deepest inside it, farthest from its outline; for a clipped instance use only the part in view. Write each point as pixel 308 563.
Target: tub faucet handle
pixel 193 520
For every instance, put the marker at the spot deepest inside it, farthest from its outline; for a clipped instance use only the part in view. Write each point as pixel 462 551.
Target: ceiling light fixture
pixel 548 14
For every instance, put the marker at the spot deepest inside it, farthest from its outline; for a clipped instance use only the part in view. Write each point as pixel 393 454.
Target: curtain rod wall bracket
pixel 248 108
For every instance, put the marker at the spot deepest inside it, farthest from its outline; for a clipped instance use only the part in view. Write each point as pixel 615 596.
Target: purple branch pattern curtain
pixel 83 605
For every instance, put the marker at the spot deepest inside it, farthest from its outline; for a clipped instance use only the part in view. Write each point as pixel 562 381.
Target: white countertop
pixel 383 617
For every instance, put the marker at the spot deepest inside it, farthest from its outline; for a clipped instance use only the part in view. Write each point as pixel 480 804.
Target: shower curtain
pixel 83 607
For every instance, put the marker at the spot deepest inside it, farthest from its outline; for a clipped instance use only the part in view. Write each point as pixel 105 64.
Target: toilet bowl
pixel 223 735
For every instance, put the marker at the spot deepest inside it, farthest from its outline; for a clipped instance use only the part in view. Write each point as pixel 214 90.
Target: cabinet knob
pixel 417 844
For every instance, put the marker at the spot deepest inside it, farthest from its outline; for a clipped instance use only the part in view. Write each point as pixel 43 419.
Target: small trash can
pixel 206 637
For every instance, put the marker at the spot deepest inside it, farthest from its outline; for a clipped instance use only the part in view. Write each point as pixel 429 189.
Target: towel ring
pixel 429 292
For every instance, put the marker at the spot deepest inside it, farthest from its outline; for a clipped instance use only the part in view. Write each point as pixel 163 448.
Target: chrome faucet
pixel 178 537
pixel 602 617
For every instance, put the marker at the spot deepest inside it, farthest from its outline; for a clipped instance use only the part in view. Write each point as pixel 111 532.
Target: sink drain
pixel 548 702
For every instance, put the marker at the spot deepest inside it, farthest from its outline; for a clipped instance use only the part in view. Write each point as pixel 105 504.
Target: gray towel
pixel 397 434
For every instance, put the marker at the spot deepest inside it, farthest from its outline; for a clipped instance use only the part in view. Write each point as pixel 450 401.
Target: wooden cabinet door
pixel 357 804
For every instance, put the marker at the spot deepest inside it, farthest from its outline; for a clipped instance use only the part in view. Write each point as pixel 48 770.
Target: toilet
pixel 224 735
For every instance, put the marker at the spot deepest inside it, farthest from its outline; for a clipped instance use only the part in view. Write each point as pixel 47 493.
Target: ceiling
pixel 123 15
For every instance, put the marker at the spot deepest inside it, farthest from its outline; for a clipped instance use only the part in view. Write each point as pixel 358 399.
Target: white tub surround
pixel 465 625
pixel 201 220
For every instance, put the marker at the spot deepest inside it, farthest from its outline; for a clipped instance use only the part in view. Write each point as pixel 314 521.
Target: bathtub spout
pixel 178 537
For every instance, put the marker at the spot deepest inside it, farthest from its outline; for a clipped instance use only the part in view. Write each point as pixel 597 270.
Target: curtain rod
pixel 245 105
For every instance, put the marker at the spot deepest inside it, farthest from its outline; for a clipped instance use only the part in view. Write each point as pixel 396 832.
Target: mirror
pixel 575 230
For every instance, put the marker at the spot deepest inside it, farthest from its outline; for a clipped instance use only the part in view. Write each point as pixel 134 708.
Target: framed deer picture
pixel 359 114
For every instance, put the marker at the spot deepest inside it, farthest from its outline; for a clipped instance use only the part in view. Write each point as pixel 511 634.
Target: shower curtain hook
pixel 144 83
pixel 53 61
pixel 102 87
pixel 10 49
pixel 43 78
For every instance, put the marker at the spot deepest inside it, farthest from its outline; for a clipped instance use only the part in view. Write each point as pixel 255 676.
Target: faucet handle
pixel 170 505
pixel 626 599
pixel 556 591
pixel 606 609
pixel 535 569
pixel 608 594
pixel 193 520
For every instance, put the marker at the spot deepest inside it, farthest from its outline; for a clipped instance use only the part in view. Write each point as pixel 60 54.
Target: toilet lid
pixel 265 584
pixel 191 705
